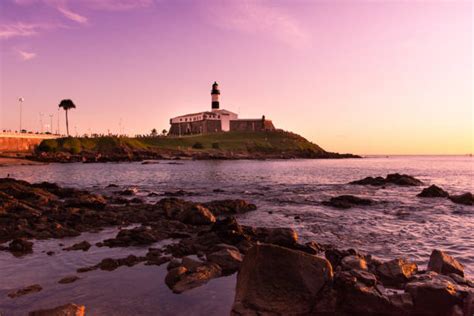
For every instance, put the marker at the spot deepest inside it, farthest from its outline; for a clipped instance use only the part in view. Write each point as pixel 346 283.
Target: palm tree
pixel 67 104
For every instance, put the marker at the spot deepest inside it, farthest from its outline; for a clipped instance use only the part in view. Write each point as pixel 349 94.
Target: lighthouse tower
pixel 215 94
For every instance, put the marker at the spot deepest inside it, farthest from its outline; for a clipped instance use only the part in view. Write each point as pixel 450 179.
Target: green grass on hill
pixel 265 142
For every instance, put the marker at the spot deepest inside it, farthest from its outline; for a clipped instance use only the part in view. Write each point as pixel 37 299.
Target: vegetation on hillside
pixel 251 144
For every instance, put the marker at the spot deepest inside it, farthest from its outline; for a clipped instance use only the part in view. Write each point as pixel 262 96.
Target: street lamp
pixel 20 100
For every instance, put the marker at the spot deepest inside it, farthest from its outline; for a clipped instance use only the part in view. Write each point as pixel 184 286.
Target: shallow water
pixel 399 224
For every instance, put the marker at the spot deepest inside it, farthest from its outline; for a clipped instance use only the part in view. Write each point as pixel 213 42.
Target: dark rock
pixel 466 198
pixel 68 279
pixel 109 264
pixel 174 263
pixel 181 279
pixel 177 193
pixel 20 246
pixel 134 237
pixel 128 192
pixel 50 253
pixel 396 271
pixel 279 281
pixel 26 290
pixel 93 201
pixel 394 178
pixel 83 245
pixel 433 296
pixel 229 231
pixel 443 263
pixel 433 191
pixel 186 212
pixel 228 259
pixel 347 201
pixel 64 310
pixel 353 263
pixel 335 255
pixel 229 207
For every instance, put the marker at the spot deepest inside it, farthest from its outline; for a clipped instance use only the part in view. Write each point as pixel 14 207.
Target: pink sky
pixel 367 77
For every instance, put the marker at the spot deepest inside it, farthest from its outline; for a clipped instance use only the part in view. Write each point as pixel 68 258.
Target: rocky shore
pixel 277 274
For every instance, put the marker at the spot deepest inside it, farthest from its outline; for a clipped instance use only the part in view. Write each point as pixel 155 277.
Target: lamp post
pixel 21 100
pixel 51 123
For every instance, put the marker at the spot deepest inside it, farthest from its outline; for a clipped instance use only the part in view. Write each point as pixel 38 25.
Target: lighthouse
pixel 215 94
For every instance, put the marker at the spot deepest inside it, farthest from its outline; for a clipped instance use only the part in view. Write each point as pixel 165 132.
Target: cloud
pixel 20 29
pixel 26 55
pixel 256 16
pixel 72 15
pixel 117 5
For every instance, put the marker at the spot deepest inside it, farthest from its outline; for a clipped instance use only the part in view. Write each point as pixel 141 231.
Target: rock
pixel 443 263
pixel 93 201
pixel 229 231
pixel 354 262
pixel 466 198
pixel 396 271
pixel 26 290
pixel 229 207
pixel 433 296
pixel 279 281
pixel 68 279
pixel 197 215
pixel 191 264
pixel 228 259
pixel 20 246
pixel 109 264
pixel 402 179
pixel 174 263
pixel 433 191
pixel 134 237
pixel 281 236
pixel 128 192
pixel 394 178
pixel 181 279
pixel 347 201
pixel 186 212
pixel 83 245
pixel 335 255
pixel 64 310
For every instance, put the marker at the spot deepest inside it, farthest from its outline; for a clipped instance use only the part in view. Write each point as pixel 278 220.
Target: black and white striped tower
pixel 215 95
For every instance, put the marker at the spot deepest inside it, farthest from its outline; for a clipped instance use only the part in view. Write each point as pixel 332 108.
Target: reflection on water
pixel 399 224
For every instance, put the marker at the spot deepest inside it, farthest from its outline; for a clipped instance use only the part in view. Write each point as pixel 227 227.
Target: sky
pixel 366 77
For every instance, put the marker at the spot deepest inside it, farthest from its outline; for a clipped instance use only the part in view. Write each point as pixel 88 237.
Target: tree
pixel 163 132
pixel 67 104
pixel 154 132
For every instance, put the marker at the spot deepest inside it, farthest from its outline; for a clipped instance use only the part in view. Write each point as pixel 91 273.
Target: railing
pixel 29 135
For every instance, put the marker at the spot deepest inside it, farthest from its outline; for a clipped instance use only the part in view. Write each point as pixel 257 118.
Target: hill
pixel 230 145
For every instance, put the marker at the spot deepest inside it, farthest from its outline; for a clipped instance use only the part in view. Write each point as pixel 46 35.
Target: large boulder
pixel 443 263
pixel 196 215
pixel 396 271
pixel 433 191
pixel 347 201
pixel 64 310
pixel 279 281
pixel 402 179
pixel 434 295
pixel 466 198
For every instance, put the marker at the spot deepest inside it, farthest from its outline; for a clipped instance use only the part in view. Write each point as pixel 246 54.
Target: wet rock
pixel 20 246
pixel 174 263
pixel 64 310
pixel 377 181
pixel 229 231
pixel 443 263
pixel 354 297
pixel 83 245
pixel 433 296
pixel 93 201
pixel 229 207
pixel 353 262
pixel 50 253
pixel 191 264
pixel 466 198
pixel 335 255
pixel 394 178
pixel 281 236
pixel 396 271
pixel 134 237
pixel 128 192
pixel 347 201
pixel 26 290
pixel 280 281
pixel 68 279
pixel 186 212
pixel 433 191
pixel 109 264
pixel 181 279
pixel 228 259
pixel 177 193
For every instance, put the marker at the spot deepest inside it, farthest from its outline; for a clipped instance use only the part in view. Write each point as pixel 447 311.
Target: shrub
pixel 215 145
pixel 198 145
pixel 48 145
